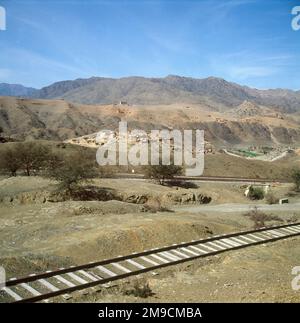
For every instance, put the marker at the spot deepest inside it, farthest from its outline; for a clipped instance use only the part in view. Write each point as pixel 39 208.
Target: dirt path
pixel 237 207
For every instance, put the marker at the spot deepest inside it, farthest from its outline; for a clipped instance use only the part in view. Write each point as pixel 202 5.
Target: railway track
pixel 206 178
pixel 37 287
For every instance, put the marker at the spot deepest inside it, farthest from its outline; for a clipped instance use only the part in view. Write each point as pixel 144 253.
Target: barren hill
pixel 216 92
pixel 61 120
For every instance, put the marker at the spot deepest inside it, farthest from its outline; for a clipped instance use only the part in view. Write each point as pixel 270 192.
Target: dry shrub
pixel 296 179
pixel 260 218
pixel 271 198
pixel 293 219
pixel 139 288
pixel 181 183
pixel 292 194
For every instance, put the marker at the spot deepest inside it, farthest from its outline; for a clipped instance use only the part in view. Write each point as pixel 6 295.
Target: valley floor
pixel 37 235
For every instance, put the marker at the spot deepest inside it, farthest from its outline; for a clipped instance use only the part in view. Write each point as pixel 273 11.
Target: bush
pixel 296 179
pixel 271 198
pixel 293 219
pixel 9 161
pixel 256 193
pixel 259 218
pixel 181 183
pixel 162 172
pixel 29 156
pixel 140 288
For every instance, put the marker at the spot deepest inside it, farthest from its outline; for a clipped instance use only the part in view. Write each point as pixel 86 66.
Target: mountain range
pixel 17 90
pixel 215 92
pixel 230 114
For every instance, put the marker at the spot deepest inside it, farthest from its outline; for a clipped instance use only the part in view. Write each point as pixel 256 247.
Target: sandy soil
pixel 37 235
pixel 255 274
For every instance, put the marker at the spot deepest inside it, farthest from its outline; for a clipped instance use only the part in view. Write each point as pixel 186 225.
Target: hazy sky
pixel 250 42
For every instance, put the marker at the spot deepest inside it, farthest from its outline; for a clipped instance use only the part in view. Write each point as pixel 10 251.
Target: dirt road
pixel 236 207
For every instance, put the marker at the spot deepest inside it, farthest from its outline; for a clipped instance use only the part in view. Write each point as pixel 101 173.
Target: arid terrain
pixel 256 274
pixel 40 231
pixel 249 134
pixel 230 114
pixel 150 153
pixel 60 120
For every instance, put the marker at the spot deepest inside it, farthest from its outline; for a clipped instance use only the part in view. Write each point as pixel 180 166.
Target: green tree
pixel 72 171
pixel 162 172
pixel 32 156
pixel 256 193
pixel 9 161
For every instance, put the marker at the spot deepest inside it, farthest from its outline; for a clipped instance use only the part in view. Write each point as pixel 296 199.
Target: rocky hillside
pixel 216 92
pixel 247 109
pixel 61 120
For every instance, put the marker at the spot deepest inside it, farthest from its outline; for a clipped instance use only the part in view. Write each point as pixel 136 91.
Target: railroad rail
pixel 204 178
pixel 41 286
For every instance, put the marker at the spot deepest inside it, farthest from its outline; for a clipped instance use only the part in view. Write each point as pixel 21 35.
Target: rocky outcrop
pixel 135 198
pixel 27 198
pixel 187 198
pixel 247 109
pixel 99 194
